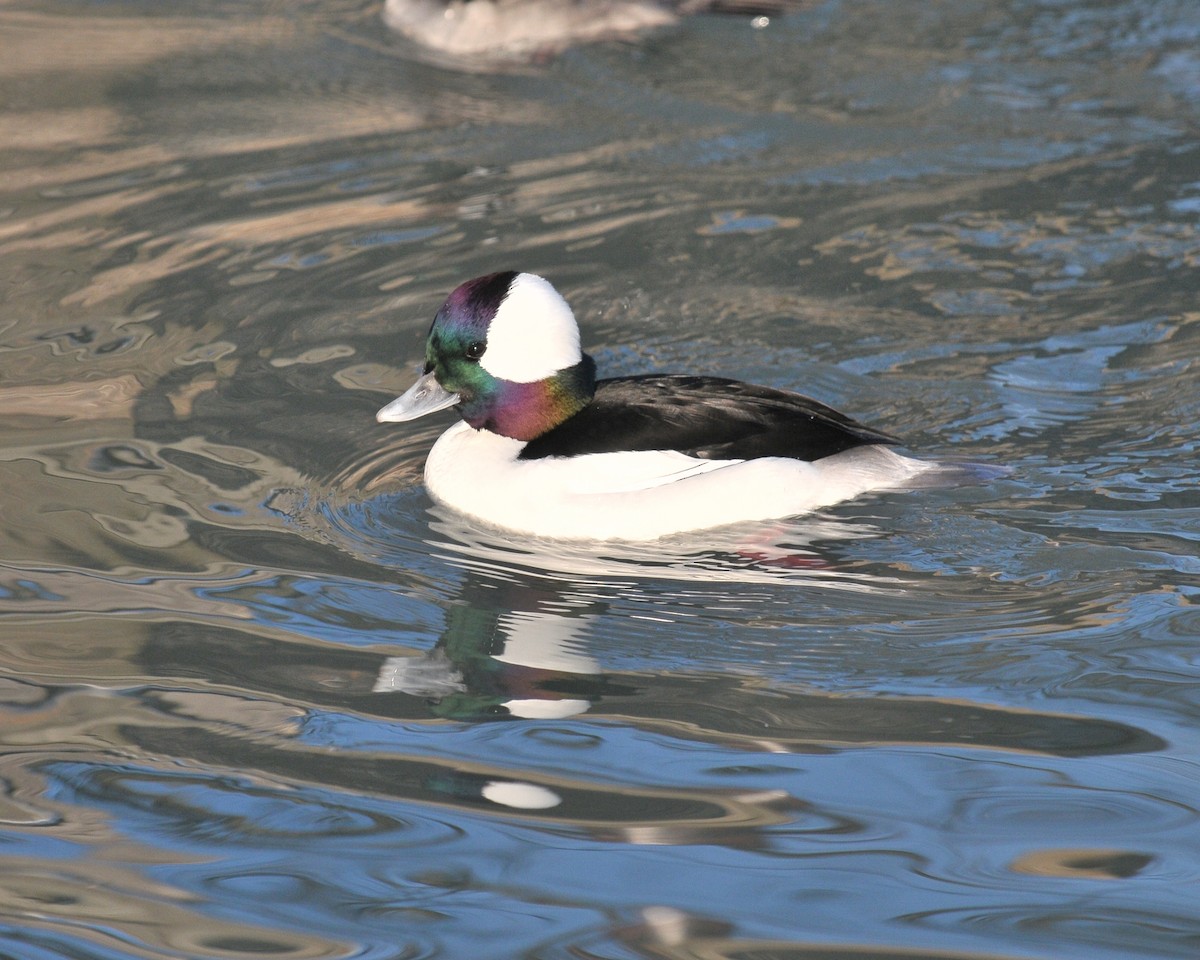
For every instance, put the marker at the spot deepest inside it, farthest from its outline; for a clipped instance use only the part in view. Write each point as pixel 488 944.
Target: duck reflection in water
pixel 508 650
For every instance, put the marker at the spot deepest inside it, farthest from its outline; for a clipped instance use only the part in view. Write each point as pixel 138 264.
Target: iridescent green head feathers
pixel 503 348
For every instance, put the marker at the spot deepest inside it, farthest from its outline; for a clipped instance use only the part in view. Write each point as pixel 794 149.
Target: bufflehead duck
pixel 519 28
pixel 546 449
pixel 478 31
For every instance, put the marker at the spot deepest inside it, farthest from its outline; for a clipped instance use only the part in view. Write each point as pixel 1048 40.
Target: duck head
pixel 504 349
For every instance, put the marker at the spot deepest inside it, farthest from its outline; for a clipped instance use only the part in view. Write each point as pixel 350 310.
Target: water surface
pixel 260 698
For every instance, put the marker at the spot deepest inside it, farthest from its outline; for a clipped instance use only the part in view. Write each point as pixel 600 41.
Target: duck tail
pixel 956 473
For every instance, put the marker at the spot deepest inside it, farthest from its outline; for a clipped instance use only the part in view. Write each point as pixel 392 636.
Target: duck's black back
pixel 707 417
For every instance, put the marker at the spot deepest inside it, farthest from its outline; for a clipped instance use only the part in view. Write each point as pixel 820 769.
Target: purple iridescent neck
pixel 524 411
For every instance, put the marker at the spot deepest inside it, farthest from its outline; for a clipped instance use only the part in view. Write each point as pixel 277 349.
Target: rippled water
pixel 261 699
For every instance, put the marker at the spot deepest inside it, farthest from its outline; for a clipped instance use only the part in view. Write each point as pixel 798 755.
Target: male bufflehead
pixel 517 29
pixel 480 32
pixel 546 449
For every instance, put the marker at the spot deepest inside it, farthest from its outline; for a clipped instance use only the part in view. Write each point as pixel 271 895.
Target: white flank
pixel 644 495
pixel 533 335
pixel 506 28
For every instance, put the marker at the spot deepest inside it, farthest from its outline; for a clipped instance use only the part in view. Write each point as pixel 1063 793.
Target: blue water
pixel 259 697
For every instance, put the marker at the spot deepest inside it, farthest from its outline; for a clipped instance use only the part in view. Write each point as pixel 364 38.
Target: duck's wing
pixel 710 418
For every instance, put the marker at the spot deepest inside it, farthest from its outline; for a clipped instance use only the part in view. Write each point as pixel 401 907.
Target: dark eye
pixel 475 349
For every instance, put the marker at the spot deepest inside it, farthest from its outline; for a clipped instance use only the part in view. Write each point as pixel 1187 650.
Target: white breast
pixel 642 495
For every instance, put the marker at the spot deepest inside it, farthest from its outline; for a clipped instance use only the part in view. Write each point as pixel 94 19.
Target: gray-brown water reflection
pixel 259 698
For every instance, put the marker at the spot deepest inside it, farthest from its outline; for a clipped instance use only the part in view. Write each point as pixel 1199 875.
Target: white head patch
pixel 533 335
